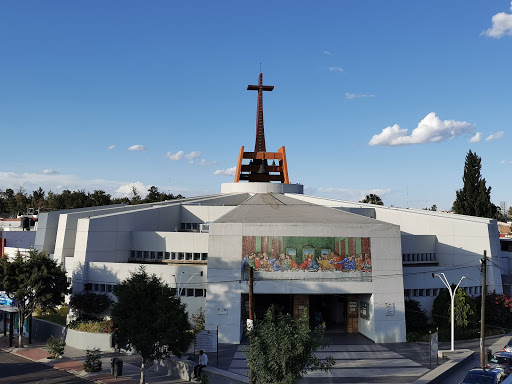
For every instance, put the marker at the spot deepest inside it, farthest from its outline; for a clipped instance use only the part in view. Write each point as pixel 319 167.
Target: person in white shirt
pixel 203 362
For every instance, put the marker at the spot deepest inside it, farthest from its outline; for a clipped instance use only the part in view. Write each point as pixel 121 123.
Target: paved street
pixel 18 370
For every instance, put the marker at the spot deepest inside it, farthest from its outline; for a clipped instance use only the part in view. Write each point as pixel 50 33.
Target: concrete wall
pixel 203 213
pixel 170 241
pixel 88 340
pixel 223 307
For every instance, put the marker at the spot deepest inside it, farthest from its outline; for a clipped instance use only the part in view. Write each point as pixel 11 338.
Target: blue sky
pixel 370 96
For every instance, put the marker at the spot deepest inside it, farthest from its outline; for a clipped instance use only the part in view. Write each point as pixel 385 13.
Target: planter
pixel 88 340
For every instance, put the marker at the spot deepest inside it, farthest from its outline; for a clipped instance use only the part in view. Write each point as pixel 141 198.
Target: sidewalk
pixel 72 362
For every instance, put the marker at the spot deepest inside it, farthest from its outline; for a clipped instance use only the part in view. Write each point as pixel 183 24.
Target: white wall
pixel 226 287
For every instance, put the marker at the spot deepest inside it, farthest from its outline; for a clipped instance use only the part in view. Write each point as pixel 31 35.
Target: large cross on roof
pixel 259 146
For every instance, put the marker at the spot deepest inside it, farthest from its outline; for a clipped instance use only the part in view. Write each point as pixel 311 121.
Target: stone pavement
pixel 73 360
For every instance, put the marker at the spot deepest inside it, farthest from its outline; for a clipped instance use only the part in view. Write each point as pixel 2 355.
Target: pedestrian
pixel 203 362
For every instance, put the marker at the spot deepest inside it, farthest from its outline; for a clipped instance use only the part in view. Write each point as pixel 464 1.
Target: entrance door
pixel 330 309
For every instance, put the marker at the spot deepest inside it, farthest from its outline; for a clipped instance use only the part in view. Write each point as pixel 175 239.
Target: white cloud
pixel 505 162
pixel 126 190
pixel 204 163
pixel 501 25
pixel 137 147
pixel 50 172
pixel 495 136
pixel 430 130
pixel 335 69
pixel 476 138
pixel 111 147
pixel 192 156
pixel 177 156
pixel 352 96
pixel 328 53
pixel 225 172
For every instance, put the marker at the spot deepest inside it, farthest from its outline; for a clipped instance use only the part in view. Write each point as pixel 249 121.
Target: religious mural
pixel 307 254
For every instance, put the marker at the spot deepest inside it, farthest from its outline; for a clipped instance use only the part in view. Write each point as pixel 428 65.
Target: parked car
pixel 484 376
pixel 501 360
pixel 508 347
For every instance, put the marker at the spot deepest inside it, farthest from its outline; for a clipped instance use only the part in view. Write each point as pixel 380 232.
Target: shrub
pixel 89 303
pixel 93 326
pixel 55 346
pixel 92 361
pixel 415 317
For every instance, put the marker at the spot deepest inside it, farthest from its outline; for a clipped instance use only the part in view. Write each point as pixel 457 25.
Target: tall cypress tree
pixel 474 198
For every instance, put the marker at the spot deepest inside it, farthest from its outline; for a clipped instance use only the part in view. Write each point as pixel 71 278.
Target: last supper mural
pixel 307 254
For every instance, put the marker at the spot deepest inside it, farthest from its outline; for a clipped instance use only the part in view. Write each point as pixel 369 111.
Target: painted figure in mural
pixel 313 266
pixel 307 261
pixel 278 265
pixel 245 264
pixel 367 264
pixel 257 260
pixel 251 261
pixel 293 263
pixel 265 263
pixel 359 261
pixel 283 264
pixel 349 263
pixel 325 263
pixel 272 259
pixel 336 260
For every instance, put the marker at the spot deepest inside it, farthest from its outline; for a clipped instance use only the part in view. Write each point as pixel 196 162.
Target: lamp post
pixel 180 290
pixel 452 296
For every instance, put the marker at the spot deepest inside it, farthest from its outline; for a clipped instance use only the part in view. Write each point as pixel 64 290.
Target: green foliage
pixel 372 199
pixel 33 281
pixel 57 316
pixel 198 320
pixel 498 310
pixel 150 318
pixel 474 198
pixel 90 303
pixel 92 361
pixel 55 347
pixel 415 317
pixel 282 348
pixel 93 326
pixel 464 313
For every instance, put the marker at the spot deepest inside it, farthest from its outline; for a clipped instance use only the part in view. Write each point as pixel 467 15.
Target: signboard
pixel 434 347
pixel 352 306
pixel 390 309
pixel 207 341
pixel 4 300
pixel 222 311
pixel 364 310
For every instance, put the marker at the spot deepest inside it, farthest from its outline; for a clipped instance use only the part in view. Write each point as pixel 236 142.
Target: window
pixel 109 288
pixel 146 254
pixel 133 254
pixel 190 292
pixel 407 292
pixel 195 226
pixel 167 255
pixel 204 256
pixel 421 292
pixel 188 256
pixel 160 255
pixel 139 254
pixel 87 287
pixel 428 292
pixel 152 254
pixel 470 290
pixel 181 256
pixel 414 292
pixel 174 255
pixel 96 287
pixel 102 288
pixel 199 293
pixel 197 256
pixel 183 226
pixel 435 292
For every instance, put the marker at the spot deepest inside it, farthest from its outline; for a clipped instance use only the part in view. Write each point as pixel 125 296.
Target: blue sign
pixel 4 300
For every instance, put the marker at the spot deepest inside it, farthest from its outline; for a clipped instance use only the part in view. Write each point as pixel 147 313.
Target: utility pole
pixel 250 322
pixel 482 316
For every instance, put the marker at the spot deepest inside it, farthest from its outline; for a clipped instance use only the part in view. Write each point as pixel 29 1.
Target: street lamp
pixel 452 296
pixel 180 290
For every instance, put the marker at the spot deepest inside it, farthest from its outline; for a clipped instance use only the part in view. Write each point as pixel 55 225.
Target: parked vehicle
pixel 485 376
pixel 508 347
pixel 501 360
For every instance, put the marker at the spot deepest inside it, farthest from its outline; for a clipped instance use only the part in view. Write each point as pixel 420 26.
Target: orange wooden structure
pixel 258 169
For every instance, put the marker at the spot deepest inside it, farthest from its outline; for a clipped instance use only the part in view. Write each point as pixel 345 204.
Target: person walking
pixel 203 362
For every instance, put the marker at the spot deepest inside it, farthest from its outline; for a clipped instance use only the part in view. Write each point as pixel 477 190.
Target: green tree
pixel 150 318
pixel 98 198
pixel 32 281
pixel 464 311
pixel 372 199
pixel 282 348
pixel 415 317
pixel 474 199
pixel 89 303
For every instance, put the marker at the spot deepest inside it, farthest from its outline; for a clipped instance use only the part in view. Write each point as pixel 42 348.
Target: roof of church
pixel 277 208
